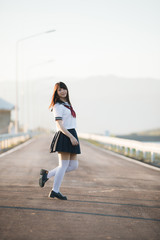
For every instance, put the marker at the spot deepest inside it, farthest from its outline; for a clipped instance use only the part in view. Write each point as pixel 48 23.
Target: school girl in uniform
pixel 65 140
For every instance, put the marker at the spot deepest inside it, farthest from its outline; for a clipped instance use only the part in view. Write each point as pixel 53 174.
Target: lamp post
pixel 30 117
pixel 17 71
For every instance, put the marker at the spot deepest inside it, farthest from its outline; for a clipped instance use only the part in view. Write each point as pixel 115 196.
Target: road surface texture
pixel 108 197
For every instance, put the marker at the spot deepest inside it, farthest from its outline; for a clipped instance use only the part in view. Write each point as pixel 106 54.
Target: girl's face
pixel 62 93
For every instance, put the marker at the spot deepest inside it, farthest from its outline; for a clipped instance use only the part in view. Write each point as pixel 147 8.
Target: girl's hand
pixel 74 141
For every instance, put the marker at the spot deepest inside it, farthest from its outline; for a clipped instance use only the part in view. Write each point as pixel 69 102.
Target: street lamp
pixel 17 70
pixel 30 117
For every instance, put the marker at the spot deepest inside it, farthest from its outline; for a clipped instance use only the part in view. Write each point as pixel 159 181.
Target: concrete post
pixel 152 157
pixel 144 155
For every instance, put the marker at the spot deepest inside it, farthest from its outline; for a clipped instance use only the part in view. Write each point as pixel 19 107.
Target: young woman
pixel 65 141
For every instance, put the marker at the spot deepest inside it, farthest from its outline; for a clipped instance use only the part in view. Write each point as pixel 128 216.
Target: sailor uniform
pixel 61 142
pixel 62 112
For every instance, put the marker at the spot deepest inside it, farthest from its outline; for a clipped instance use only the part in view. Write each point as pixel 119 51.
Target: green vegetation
pixel 128 152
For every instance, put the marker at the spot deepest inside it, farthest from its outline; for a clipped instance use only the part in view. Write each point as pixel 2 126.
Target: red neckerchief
pixel 71 109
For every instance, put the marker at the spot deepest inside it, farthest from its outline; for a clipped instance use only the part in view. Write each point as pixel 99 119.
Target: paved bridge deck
pixel 108 197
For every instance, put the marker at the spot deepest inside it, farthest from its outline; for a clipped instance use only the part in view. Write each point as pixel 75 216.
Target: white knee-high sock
pixel 63 165
pixel 52 172
pixel 73 165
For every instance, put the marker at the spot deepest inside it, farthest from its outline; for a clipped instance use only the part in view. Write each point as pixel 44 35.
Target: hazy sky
pixel 93 37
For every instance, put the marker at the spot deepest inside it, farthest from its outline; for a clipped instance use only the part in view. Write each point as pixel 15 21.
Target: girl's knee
pixel 73 156
pixel 64 164
pixel 74 164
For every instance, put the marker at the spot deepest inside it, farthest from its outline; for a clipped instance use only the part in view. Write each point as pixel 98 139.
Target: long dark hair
pixel 55 97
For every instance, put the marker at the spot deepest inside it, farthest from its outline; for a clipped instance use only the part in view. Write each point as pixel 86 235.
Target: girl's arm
pixel 66 132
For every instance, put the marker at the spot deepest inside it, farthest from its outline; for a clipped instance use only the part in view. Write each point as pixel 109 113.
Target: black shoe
pixel 58 195
pixel 43 179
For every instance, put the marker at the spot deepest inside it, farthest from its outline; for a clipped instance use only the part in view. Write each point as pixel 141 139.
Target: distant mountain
pixel 153 132
pixel 147 136
pixel 119 105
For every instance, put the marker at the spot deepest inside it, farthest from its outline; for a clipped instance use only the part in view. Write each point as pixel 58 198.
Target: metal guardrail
pixel 8 141
pixel 132 148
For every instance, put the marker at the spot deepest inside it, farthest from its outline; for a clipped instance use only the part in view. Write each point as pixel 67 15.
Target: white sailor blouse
pixel 63 113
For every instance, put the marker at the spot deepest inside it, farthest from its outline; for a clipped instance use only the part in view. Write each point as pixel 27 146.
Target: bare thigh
pixel 67 156
pixel 73 156
pixel 63 156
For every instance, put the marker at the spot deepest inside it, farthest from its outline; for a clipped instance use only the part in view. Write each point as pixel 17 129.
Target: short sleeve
pixel 58 111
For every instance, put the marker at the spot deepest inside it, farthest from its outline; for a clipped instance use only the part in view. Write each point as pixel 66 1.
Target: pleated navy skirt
pixel 62 143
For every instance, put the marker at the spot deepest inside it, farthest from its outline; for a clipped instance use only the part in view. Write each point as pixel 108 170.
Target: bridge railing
pixel 149 152
pixel 8 141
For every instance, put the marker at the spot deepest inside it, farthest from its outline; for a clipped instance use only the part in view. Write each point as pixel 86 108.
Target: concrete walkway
pixel 108 197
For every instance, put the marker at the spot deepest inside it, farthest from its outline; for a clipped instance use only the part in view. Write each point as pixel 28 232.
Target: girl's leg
pixel 52 172
pixel 64 159
pixel 73 163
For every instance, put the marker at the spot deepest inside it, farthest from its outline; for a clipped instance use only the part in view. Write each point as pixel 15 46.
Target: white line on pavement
pixel 17 147
pixel 126 158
